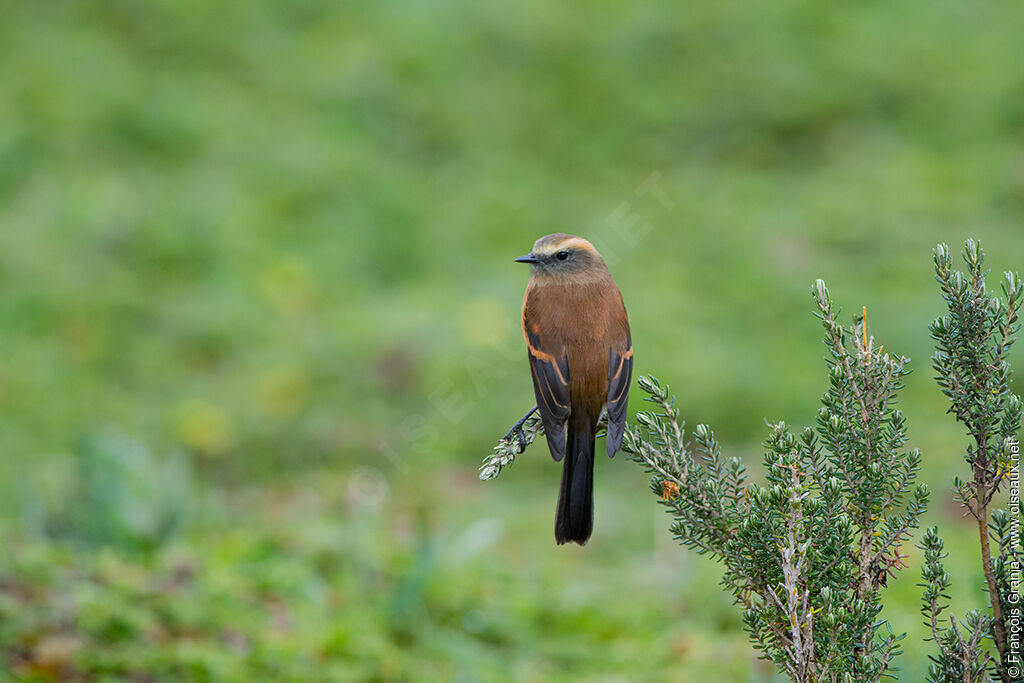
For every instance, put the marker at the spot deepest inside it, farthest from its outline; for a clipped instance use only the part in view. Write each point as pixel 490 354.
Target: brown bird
pixel 581 360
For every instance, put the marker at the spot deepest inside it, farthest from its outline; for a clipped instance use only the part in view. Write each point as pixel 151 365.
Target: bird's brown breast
pixel 586 319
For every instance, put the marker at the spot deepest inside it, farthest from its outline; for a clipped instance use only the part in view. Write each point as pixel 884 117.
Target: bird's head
pixel 564 256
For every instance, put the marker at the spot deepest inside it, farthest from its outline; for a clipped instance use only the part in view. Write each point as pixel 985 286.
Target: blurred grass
pixel 278 238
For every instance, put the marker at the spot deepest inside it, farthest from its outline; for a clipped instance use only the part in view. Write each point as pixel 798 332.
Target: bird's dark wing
pixel 550 373
pixel 620 374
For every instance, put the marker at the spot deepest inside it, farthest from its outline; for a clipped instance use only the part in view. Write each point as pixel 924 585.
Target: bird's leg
pixel 517 430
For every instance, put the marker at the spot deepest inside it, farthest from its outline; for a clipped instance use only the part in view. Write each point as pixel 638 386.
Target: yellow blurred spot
pixel 283 391
pixel 205 427
pixel 484 321
pixel 288 286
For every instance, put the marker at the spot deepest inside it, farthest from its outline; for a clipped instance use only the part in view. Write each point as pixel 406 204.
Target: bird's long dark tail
pixel 574 519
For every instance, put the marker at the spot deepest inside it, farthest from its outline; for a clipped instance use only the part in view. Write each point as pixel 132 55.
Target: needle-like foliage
pixel 807 553
pixel 972 369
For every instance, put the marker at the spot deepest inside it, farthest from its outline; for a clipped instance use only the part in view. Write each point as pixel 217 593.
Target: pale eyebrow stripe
pixel 577 242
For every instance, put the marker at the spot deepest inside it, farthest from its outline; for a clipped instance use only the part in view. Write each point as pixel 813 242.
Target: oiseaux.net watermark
pixel 1016 623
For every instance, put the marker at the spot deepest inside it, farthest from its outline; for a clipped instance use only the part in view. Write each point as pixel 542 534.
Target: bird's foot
pixel 518 433
pixel 520 436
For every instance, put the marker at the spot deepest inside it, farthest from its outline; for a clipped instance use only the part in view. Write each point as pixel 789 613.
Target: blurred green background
pixel 258 312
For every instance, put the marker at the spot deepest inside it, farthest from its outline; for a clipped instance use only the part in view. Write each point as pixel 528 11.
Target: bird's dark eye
pixel 562 255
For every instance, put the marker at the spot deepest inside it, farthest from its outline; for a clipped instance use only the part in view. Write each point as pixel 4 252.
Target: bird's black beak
pixel 529 258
